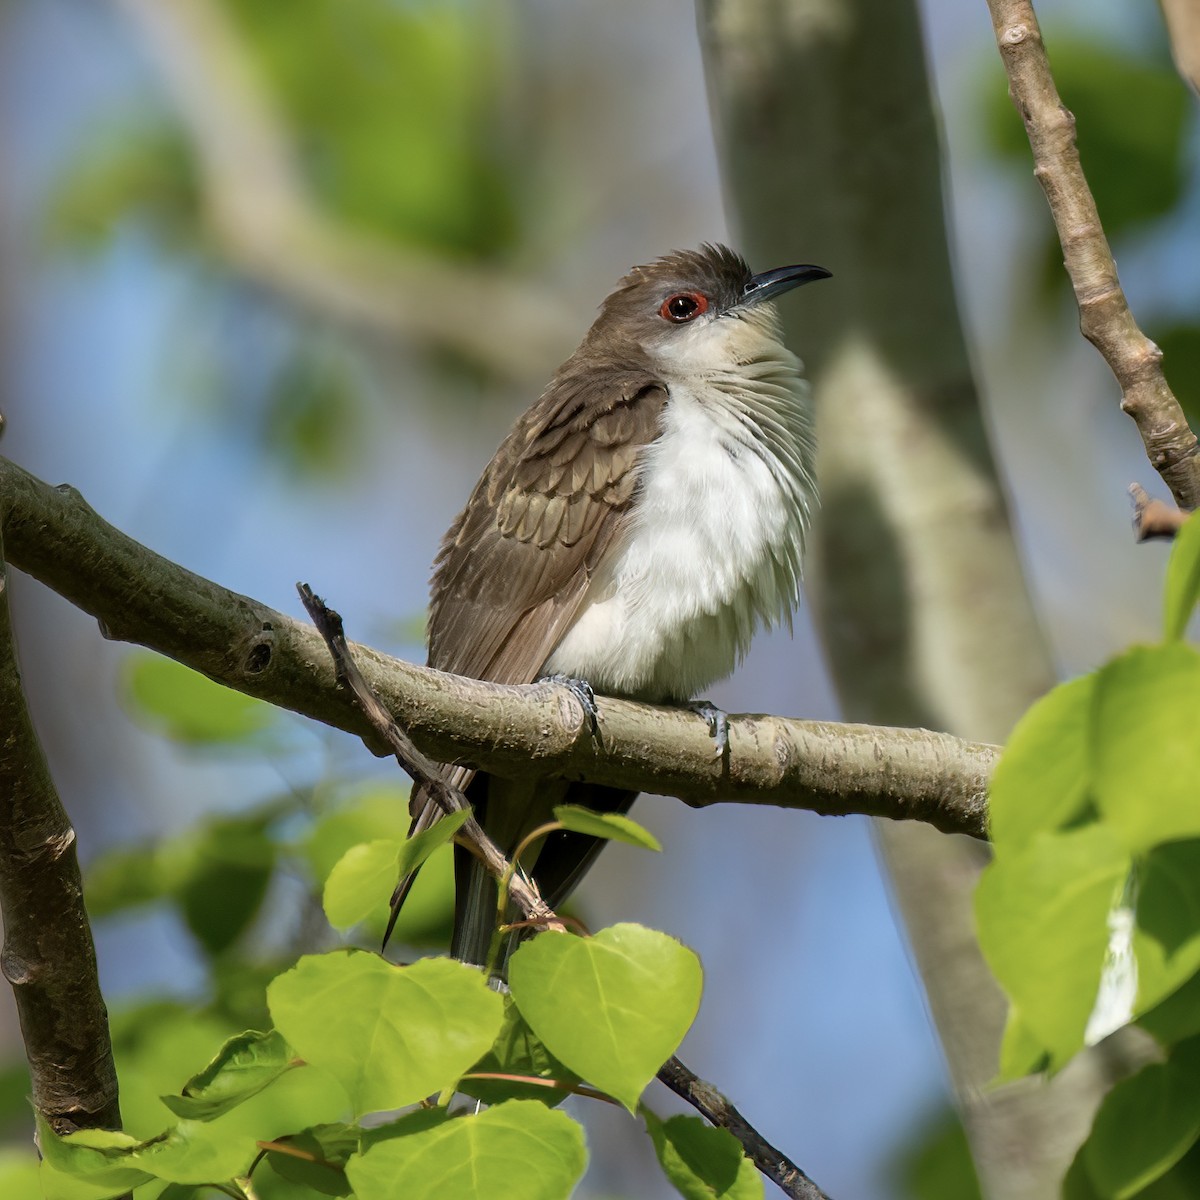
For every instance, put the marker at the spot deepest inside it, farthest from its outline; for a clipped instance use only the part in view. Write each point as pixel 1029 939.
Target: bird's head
pixel 697 308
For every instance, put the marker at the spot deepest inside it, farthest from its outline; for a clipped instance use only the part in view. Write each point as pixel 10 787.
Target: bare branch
pixel 138 596
pixel 1104 316
pixel 710 1103
pixel 1152 518
pixel 264 220
pixel 48 954
pixel 422 769
pixel 1183 28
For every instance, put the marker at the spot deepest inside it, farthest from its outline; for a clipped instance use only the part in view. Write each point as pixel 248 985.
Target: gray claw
pixel 582 691
pixel 718 724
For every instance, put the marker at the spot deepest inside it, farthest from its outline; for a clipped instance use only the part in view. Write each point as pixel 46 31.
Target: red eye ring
pixel 681 307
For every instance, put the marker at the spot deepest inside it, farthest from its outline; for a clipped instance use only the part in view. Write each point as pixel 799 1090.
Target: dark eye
pixel 683 306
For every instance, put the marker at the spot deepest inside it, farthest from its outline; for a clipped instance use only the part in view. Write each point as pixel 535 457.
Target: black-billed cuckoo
pixel 637 525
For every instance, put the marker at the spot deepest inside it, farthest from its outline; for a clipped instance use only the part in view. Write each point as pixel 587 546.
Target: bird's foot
pixel 718 724
pixel 582 691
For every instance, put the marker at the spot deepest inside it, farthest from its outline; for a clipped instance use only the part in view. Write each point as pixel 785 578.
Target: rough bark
pixel 48 956
pixel 139 596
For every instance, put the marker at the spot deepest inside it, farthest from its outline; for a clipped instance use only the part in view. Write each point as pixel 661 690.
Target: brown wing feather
pixel 514 567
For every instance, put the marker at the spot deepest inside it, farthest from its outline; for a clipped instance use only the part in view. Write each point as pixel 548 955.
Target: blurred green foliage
pixel 1131 118
pixel 403 128
pixel 394 110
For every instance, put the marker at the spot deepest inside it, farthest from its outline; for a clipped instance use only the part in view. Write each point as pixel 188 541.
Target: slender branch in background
pixel 1183 28
pixel 1104 316
pixel 1152 518
pixel 139 596
pixel 48 954
pixel 265 221
pixel 700 1095
pixel 423 771
pixel 711 1104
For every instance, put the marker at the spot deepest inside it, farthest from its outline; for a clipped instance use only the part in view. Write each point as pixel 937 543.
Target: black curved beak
pixel 774 283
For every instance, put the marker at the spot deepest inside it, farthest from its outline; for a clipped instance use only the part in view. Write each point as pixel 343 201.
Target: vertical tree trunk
pixel 829 142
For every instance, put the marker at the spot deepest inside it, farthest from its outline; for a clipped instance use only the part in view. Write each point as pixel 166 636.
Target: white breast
pixel 713 549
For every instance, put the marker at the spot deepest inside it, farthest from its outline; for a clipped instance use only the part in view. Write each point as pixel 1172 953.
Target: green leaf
pixel 374 813
pixel 1040 783
pixel 1177 1017
pixel 613 1007
pixel 1145 1124
pixel 702 1163
pixel 365 876
pixel 519 1150
pixel 325 1150
pixel 98 1158
pixel 390 1035
pixel 242 1067
pixel 1182 588
pixel 1021 1052
pixel 190 708
pixel 1167 935
pixel 615 826
pixel 1042 915
pixel 360 882
pixel 518 1051
pixel 935 1162
pixel 219 876
pixel 1145 744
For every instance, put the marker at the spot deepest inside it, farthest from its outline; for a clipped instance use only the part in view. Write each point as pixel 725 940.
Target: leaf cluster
pixel 1089 914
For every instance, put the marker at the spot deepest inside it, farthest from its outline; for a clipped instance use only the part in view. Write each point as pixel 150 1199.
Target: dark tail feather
pixel 564 860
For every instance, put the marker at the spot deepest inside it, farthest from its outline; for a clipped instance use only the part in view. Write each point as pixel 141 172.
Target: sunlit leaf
pixel 390 1035
pixel 1042 915
pixel 1040 782
pixel 613 1007
pixel 1145 744
pixel 1183 581
pixel 615 826
pixel 519 1150
pixel 242 1067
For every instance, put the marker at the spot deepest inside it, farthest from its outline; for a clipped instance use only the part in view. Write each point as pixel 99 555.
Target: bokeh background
pixel 265 407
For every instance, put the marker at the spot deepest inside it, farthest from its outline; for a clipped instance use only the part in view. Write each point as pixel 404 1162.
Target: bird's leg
pixel 582 691
pixel 718 723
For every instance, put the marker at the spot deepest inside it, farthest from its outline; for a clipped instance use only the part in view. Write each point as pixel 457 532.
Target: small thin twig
pixel 1104 316
pixel 1153 518
pixel 422 769
pixel 702 1096
pixel 714 1107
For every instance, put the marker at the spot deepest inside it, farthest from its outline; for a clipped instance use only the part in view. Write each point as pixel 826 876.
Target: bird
pixel 637 525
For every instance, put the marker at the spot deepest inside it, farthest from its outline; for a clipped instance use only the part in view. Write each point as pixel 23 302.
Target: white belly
pixel 712 552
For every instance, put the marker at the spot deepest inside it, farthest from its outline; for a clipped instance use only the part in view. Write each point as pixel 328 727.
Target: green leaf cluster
pixel 351 1090
pixel 350 1094
pixel 1089 914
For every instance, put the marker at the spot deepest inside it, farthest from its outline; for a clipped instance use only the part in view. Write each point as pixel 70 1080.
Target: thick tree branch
pixel 48 955
pixel 1104 316
pixel 138 596
pixel 264 220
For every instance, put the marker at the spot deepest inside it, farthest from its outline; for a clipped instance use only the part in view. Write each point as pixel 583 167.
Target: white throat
pixel 713 545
